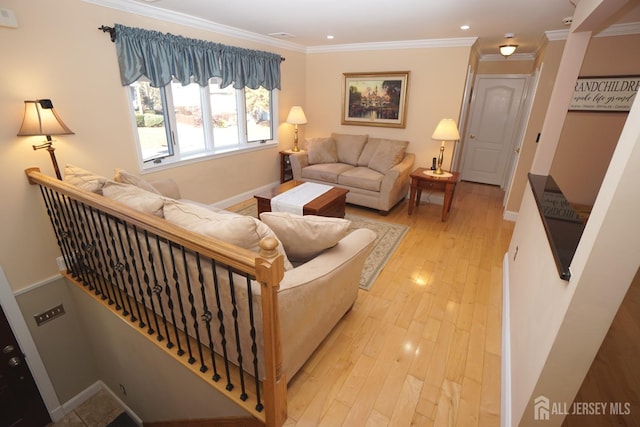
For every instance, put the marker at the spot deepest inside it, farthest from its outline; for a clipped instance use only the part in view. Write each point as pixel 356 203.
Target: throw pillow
pixel 239 230
pixel 389 153
pixel 134 197
pixel 125 177
pixel 84 179
pixel 349 147
pixel 306 236
pixel 321 150
pixel 367 152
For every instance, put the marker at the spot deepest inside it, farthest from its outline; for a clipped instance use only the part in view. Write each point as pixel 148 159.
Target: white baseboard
pixel 505 398
pixel 242 196
pixel 510 216
pixel 85 395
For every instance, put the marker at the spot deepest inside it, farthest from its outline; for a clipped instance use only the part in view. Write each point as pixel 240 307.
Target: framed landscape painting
pixel 375 99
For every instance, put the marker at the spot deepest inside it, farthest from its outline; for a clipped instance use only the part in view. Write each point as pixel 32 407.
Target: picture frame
pixel 375 99
pixel 604 93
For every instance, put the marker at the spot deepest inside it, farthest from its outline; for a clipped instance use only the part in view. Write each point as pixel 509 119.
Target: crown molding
pixel 620 30
pixel 613 30
pixel 406 44
pixel 514 57
pixel 154 12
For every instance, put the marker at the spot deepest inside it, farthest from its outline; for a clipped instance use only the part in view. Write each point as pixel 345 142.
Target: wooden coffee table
pixel 332 203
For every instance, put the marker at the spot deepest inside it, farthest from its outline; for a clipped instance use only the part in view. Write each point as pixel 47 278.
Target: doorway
pixel 494 121
pixel 20 400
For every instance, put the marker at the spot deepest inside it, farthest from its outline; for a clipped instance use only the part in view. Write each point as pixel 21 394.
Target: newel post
pixel 269 272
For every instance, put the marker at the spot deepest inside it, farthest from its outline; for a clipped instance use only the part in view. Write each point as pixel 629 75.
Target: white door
pixel 493 124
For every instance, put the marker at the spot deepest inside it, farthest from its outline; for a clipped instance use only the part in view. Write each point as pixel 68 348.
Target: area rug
pixel 389 237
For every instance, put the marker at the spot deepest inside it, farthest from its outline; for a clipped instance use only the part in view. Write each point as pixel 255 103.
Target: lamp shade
pixel 41 119
pixel 447 130
pixel 296 116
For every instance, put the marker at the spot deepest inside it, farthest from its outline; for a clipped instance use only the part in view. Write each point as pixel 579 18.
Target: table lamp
pixel 445 131
pixel 41 119
pixel 296 117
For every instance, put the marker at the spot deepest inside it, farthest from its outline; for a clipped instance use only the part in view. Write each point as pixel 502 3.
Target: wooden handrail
pixel 267 267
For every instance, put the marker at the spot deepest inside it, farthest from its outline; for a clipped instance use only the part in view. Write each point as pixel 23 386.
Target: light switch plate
pixel 8 18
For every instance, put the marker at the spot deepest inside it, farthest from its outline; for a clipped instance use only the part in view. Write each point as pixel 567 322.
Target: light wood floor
pixel 423 346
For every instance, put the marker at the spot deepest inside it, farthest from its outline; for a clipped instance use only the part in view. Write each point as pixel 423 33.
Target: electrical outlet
pixel 48 315
pixel 62 265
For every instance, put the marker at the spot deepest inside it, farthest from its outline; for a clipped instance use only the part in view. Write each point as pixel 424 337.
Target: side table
pixel 285 166
pixel 421 181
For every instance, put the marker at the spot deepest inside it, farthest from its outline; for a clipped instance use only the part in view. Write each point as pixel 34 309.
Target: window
pixel 176 123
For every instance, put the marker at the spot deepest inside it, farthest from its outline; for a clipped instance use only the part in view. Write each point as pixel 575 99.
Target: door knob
pixel 8 349
pixel 472 136
pixel 517 150
pixel 14 362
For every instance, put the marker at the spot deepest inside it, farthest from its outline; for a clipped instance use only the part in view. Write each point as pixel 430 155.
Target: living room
pixel 80 74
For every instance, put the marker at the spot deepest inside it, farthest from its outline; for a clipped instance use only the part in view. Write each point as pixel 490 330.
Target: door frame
pixel 518 130
pixel 27 345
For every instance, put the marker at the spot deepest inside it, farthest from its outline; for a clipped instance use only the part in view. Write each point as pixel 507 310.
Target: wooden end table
pixel 421 181
pixel 331 204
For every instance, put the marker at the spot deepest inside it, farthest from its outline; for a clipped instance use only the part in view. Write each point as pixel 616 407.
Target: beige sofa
pixel 323 263
pixel 374 170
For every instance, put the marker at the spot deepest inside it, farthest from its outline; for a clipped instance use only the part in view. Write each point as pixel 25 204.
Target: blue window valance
pixel 164 57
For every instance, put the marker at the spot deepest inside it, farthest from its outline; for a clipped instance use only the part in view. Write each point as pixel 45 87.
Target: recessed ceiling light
pixel 464 27
pixel 329 37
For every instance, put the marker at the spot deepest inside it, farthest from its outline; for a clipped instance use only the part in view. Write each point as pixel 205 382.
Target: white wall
pixel 557 327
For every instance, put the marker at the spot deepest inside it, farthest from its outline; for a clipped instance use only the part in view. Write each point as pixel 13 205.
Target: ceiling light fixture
pixel 509 48
pixel 464 27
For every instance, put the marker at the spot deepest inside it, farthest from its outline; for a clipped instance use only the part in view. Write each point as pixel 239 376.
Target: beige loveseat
pixel 323 261
pixel 374 170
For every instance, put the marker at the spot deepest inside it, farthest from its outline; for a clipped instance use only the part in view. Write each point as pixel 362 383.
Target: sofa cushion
pixel 243 231
pixel 327 172
pixel 367 151
pixel 389 153
pixel 125 177
pixel 362 177
pixel 321 150
pixel 134 197
pixel 349 147
pixel 306 236
pixel 84 179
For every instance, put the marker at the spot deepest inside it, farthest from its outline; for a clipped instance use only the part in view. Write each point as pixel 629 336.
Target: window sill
pixel 203 157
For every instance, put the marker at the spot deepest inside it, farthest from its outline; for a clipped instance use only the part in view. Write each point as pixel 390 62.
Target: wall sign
pixel 604 93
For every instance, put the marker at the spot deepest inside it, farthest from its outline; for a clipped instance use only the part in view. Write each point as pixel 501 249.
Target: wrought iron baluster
pixel 86 246
pixel 69 235
pixel 98 257
pixel 254 346
pixel 102 220
pixel 234 312
pixel 206 315
pixel 180 351
pixel 115 265
pixel 146 278
pixel 192 310
pixel 57 227
pixel 157 289
pixel 126 266
pixel 221 328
